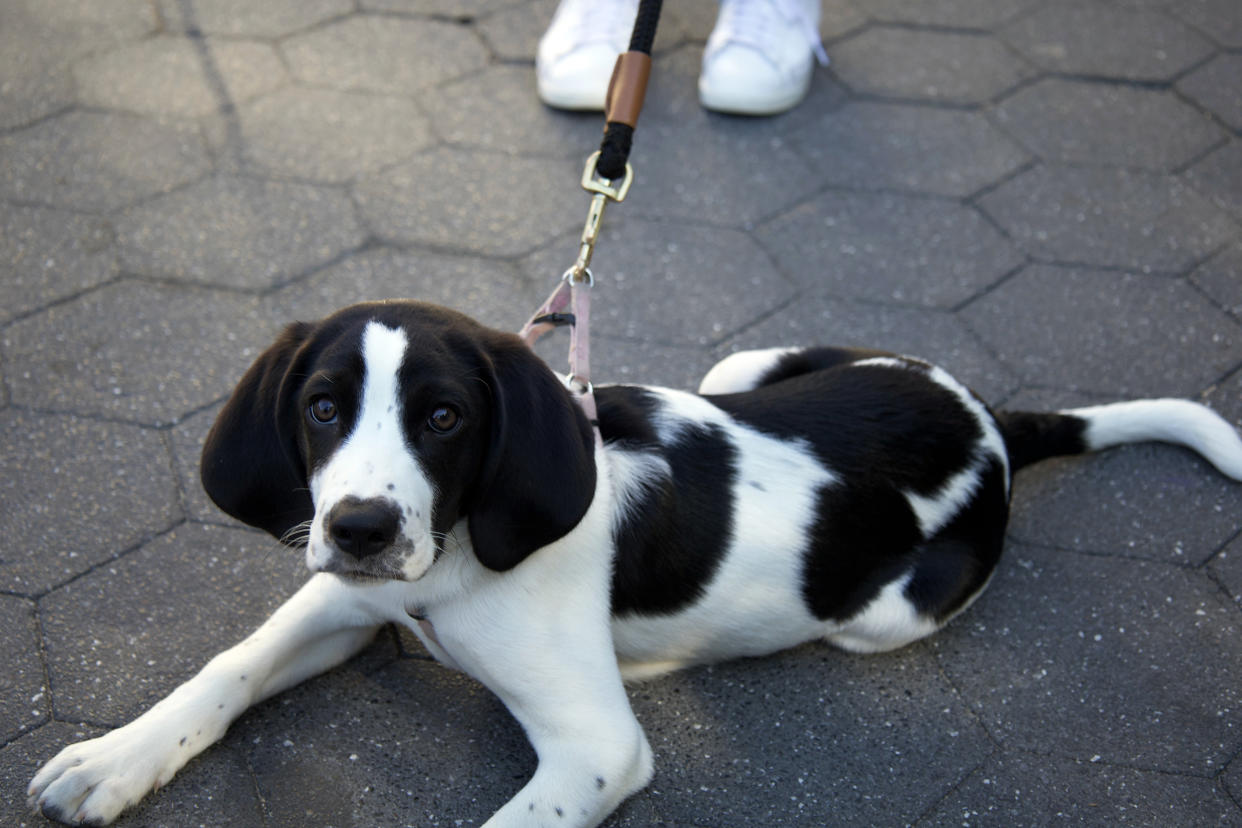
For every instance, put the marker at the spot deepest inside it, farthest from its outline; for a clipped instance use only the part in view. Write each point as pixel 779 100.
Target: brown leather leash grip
pixel 628 88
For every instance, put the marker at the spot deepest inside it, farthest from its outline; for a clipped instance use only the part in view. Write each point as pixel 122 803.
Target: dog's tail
pixel 1031 437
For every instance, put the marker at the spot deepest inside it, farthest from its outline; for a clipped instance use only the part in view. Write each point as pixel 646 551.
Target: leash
pixel 607 176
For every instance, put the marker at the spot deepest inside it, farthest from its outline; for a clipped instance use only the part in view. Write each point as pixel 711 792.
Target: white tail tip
pixel 1181 422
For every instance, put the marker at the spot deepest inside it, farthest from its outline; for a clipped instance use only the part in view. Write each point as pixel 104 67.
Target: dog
pixel 443 478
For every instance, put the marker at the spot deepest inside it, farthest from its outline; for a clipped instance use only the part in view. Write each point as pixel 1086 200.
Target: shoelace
pixel 599 21
pixel 747 22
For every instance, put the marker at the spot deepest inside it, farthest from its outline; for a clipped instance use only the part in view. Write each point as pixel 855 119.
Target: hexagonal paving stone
pixel 888 247
pixel 410 743
pixel 980 14
pixel 513 33
pixel 681 285
pixel 1226 398
pixel 220 792
pixel 238 232
pixel 324 135
pixel 1232 779
pixel 941 66
pixel 932 335
pixel 240 18
pixel 443 8
pixel 880 146
pixel 703 167
pixel 78 27
pixel 1150 501
pixel 98 161
pixel 634 361
pixel 1226 567
pixel 178 76
pixel 837 17
pixel 512 29
pixel 1219 177
pixel 492 292
pixel 187 447
pixel 448 198
pixel 22 758
pixel 775 741
pixel 1214 87
pixel 721 738
pixel 468 113
pixel 1107 332
pixel 1115 218
pixel 76 493
pixel 1134 662
pixel 1221 278
pixel 50 254
pixel 1098 123
pixel 36 83
pixel 135 351
pixel 1016 788
pixel 383 54
pixel 24 702
pixel 125 635
pixel 1220 20
pixel 1107 41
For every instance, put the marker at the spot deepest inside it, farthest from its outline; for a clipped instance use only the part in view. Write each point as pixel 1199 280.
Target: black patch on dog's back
pixel 867 422
pixel 672 539
pixel 625 413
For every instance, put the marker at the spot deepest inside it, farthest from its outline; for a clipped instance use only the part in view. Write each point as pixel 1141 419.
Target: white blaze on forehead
pixel 375 459
pixel 383 350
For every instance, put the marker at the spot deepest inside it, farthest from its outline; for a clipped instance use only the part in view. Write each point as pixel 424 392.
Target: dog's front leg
pixel 547 653
pixel 323 624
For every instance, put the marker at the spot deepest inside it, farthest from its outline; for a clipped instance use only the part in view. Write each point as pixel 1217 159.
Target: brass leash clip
pixel 604 191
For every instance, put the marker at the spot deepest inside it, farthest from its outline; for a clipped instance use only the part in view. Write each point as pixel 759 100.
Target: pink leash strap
pixel 575 294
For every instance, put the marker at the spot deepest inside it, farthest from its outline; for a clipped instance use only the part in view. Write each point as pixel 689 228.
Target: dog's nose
pixel 363 527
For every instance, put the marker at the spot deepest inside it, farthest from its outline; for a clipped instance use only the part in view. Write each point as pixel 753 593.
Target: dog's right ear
pixel 251 466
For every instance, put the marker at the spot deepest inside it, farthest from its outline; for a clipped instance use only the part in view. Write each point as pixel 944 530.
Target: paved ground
pixel 1044 197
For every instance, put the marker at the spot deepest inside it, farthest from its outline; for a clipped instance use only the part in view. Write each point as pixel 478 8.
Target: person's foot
pixel 759 57
pixel 577 52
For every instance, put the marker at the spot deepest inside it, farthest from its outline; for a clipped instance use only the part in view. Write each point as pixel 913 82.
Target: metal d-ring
pixel 574 276
pixel 583 388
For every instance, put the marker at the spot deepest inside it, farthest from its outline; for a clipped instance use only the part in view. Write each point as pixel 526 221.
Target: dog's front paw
pixel 91 782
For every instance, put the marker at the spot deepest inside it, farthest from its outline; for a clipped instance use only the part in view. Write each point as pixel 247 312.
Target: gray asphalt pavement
pixel 1045 197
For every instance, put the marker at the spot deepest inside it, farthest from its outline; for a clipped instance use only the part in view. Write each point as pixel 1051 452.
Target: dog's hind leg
pixel 323 624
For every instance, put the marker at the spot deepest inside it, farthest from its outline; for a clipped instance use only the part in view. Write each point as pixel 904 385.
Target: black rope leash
pixel 621 110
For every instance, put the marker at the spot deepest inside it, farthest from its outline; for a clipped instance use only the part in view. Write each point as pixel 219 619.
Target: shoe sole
pixel 730 103
pixel 561 96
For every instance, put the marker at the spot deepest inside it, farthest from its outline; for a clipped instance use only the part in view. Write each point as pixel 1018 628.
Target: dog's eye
pixel 323 410
pixel 443 420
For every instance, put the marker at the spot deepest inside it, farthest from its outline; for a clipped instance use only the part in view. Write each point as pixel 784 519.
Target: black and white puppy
pixel 443 478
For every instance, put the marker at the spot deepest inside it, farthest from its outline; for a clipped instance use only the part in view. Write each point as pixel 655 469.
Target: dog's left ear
pixel 538 477
pixel 250 466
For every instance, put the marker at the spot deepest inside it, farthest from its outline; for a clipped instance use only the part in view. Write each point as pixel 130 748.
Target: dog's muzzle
pixel 363 529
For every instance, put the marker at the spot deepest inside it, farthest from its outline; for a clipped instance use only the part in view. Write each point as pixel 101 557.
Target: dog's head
pixel 384 425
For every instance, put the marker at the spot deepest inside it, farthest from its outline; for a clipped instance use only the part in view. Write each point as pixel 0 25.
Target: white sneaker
pixel 758 59
pixel 577 52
